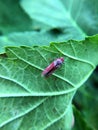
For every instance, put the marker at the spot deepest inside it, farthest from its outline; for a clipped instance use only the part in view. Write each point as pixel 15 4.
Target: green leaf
pixel 35 113
pixel 30 101
pixel 65 123
pixel 28 39
pixel 78 18
pixel 24 38
pixel 89 95
pixel 13 18
pixel 80 123
pixel 31 38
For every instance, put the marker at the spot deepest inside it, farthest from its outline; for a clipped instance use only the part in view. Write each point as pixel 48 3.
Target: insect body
pixel 52 67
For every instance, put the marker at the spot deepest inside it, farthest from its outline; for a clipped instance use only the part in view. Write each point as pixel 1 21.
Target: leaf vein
pixel 3 77
pixel 64 79
pixel 74 58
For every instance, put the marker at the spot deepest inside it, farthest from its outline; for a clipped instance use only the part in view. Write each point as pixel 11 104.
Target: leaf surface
pixel 41 102
pixel 13 18
pixel 32 38
pixel 79 17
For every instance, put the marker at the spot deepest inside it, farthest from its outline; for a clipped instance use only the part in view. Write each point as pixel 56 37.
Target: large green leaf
pixel 30 101
pixel 79 18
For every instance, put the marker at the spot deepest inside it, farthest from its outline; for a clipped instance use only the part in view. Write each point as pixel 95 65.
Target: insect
pixel 52 67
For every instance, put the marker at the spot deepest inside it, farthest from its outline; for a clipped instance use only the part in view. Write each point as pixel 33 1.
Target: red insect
pixel 52 67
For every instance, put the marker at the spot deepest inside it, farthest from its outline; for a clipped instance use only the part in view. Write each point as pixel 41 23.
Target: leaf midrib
pixel 40 68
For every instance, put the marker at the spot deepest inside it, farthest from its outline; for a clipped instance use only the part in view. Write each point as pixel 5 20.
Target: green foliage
pixel 80 123
pixel 89 102
pixel 75 17
pixel 33 33
pixel 20 74
pixel 12 17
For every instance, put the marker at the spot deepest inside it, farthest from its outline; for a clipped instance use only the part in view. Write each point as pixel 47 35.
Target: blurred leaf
pixel 13 18
pixel 80 123
pixel 21 83
pixel 31 38
pixel 78 18
pixel 25 38
pixel 89 95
